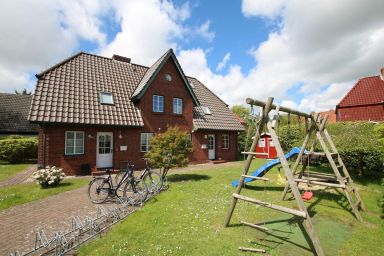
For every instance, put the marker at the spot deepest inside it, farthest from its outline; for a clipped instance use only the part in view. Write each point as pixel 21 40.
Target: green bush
pixel 18 149
pixel 173 141
pixel 359 146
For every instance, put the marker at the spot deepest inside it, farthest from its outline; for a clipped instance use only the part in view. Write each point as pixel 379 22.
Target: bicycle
pixel 134 191
pixel 152 179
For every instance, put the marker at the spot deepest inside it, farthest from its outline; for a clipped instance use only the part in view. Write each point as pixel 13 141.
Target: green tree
pixel 173 141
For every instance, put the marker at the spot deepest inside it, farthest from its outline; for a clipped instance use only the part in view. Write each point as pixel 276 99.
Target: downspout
pixel 43 138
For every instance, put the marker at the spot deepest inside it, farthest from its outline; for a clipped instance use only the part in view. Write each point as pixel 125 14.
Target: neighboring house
pixel 14 110
pixel 95 112
pixel 331 115
pixel 364 102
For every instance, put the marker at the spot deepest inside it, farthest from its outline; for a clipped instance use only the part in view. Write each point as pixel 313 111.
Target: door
pixel 211 147
pixel 104 152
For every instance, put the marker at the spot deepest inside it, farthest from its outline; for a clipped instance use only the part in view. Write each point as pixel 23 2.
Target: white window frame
pixel 225 141
pixel 74 143
pixel 261 143
pixel 158 108
pixel 206 110
pixel 148 136
pixel 179 106
pixel 109 100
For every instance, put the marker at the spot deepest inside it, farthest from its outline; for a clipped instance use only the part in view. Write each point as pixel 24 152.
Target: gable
pixel 153 72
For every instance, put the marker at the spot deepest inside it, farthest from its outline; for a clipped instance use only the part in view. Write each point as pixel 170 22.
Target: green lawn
pixel 188 220
pixel 8 170
pixel 23 193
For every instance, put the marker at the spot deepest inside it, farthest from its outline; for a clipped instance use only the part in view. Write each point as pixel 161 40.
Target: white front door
pixel 211 147
pixel 104 152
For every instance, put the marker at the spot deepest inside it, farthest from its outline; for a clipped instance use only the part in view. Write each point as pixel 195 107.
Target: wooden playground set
pixel 340 179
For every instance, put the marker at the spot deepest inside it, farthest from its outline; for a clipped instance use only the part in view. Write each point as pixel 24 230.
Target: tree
pixel 24 92
pixel 244 138
pixel 173 141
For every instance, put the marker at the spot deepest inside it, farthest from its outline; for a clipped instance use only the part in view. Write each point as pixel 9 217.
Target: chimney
pixel 382 73
pixel 121 58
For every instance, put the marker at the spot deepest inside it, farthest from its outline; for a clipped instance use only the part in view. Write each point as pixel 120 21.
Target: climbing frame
pixel 314 125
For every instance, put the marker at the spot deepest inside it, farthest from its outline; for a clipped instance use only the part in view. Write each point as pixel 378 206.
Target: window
pixel 158 103
pixel 144 141
pixel 206 110
pixel 177 106
pixel 261 143
pixel 168 77
pixel 74 143
pixel 225 141
pixel 106 98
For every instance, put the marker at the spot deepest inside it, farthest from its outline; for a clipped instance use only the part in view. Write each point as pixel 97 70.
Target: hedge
pixel 18 149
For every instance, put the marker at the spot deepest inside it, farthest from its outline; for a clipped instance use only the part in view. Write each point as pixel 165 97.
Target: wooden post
pixel 248 162
pixel 291 182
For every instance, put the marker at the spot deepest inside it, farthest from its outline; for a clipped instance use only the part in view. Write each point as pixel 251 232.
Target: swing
pixel 308 194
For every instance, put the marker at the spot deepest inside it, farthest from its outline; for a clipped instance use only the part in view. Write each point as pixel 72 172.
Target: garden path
pixel 19 177
pixel 19 224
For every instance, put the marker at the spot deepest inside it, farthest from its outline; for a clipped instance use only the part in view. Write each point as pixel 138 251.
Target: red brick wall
pixel 155 122
pixel 201 155
pixel 55 147
pixel 364 113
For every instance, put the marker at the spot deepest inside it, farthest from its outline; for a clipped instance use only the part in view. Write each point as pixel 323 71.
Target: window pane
pixel 70 135
pixel 79 135
pixel 69 150
pixel 106 98
pixel 70 143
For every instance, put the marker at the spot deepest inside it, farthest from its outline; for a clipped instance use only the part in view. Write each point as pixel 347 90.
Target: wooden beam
pixel 282 109
pixel 321 183
pixel 245 249
pixel 254 177
pixel 259 128
pixel 272 206
pixel 254 226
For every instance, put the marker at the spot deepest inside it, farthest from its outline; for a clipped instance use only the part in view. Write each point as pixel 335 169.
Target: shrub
pixel 50 176
pixel 16 149
pixel 357 143
pixel 174 142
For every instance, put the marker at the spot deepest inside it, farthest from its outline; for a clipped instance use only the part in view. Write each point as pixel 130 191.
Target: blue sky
pixel 305 53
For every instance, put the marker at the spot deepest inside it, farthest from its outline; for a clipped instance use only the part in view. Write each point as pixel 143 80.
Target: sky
pixel 306 54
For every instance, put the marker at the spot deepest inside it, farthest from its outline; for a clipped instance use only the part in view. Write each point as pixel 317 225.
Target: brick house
pixel 364 102
pixel 14 110
pixel 94 112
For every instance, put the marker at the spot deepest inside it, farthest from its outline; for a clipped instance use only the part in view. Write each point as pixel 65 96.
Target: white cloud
pixel 148 29
pixel 38 34
pixel 266 8
pixel 204 31
pixel 223 62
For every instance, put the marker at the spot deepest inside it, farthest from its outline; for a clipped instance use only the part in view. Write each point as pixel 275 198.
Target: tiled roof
pixel 221 117
pixel 69 93
pixel 368 90
pixel 14 112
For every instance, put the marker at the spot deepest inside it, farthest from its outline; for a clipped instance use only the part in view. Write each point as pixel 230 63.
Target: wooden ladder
pixel 344 181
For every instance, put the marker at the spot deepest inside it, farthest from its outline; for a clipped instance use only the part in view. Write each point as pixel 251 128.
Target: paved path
pixel 19 177
pixel 19 224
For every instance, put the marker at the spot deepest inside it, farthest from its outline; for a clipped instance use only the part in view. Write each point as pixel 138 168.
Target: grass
pixel 9 170
pixel 188 220
pixel 23 193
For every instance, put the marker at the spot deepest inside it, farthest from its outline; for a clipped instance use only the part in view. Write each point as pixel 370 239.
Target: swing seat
pixel 307 195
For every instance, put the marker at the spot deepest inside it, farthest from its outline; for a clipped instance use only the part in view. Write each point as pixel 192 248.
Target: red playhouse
pixel 265 147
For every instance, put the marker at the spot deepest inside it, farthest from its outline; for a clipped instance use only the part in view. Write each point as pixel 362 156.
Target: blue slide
pixel 268 166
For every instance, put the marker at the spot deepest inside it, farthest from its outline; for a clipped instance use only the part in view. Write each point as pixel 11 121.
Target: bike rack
pixel 80 230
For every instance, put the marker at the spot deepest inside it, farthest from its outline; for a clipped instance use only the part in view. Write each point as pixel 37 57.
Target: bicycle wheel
pixel 153 181
pixel 98 190
pixel 135 192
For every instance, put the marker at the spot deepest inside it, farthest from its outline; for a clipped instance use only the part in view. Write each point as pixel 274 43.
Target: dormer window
pixel 106 98
pixel 206 110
